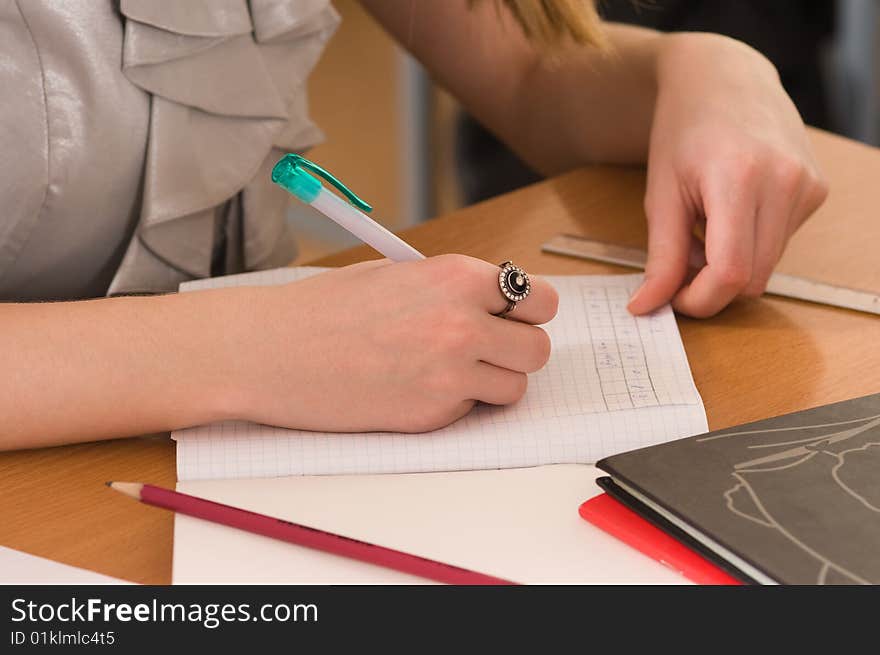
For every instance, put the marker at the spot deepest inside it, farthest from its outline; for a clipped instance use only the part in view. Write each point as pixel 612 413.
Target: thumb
pixel 670 222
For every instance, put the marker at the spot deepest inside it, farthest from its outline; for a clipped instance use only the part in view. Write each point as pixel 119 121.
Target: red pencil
pixel 303 535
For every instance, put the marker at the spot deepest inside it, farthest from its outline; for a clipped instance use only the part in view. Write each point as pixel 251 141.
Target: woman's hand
pixel 381 346
pixel 728 152
pixel 722 140
pixel 375 346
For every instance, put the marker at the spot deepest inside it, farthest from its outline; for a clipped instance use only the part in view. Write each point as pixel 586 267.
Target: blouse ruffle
pixel 227 80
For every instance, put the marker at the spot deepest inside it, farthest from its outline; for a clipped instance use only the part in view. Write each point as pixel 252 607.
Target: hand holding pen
pixel 409 347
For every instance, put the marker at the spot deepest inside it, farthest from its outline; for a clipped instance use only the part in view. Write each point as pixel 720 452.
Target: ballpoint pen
pixel 293 173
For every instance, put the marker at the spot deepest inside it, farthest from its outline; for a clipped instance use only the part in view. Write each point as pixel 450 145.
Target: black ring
pixel 514 284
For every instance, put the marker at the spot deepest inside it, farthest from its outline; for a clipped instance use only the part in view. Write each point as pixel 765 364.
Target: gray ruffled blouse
pixel 137 136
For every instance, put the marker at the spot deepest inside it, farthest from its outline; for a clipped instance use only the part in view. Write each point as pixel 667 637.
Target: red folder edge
pixel 621 522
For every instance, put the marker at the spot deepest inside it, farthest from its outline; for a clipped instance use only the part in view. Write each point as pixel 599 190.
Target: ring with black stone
pixel 514 284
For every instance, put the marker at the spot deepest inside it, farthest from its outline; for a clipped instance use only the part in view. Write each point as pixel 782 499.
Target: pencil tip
pixel 109 484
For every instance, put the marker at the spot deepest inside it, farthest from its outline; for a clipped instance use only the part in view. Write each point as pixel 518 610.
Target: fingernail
pixel 633 298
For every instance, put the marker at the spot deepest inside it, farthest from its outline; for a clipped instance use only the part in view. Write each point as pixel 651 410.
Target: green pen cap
pixel 292 173
pixel 288 174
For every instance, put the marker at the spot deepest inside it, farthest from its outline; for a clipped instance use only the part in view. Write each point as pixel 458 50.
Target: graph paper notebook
pixel 614 383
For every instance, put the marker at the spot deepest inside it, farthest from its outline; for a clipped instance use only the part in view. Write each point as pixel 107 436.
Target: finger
pixel 538 307
pixel 670 222
pixel 475 280
pixel 515 346
pixel 697 254
pixel 730 245
pixel 813 194
pixel 696 260
pixel 772 232
pixel 495 385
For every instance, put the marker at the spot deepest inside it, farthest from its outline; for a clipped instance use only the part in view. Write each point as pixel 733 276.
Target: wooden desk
pixel 755 360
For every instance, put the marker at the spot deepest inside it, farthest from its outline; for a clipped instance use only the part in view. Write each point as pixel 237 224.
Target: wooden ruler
pixel 780 284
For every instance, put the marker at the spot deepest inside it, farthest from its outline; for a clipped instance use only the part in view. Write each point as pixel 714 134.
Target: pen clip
pixel 351 196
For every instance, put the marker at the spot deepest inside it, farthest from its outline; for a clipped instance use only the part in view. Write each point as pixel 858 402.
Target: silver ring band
pixel 504 312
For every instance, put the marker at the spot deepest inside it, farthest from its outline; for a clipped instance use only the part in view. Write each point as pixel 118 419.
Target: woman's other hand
pixel 728 151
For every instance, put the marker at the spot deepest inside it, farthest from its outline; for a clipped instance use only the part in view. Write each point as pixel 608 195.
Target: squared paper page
pixel 518 524
pixel 614 383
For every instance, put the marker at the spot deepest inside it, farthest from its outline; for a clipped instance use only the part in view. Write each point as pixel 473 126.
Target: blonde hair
pixel 551 23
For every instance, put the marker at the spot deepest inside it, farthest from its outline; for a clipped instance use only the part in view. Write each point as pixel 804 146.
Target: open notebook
pixel 614 383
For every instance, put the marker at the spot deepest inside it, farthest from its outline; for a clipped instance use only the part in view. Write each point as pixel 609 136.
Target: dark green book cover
pixel 795 496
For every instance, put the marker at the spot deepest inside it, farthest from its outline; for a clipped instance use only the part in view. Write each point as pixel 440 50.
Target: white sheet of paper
pixel 614 383
pixel 518 524
pixel 18 568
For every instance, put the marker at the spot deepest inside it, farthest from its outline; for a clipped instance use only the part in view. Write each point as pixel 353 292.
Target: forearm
pixel 590 106
pixel 597 107
pixel 422 347
pixel 557 111
pixel 110 368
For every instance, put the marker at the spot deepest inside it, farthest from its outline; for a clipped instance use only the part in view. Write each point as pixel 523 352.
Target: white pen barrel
pixel 365 228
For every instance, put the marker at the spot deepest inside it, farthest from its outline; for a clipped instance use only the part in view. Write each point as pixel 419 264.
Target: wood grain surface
pixel 757 359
